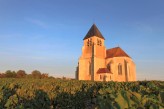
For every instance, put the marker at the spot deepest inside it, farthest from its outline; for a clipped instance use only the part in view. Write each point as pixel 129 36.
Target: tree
pixel 2 75
pixel 21 73
pixel 36 74
pixel 10 74
pixel 44 75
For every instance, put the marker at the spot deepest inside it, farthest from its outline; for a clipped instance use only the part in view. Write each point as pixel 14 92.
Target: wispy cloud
pixel 37 22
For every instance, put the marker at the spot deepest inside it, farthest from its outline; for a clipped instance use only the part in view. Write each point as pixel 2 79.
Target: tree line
pixel 23 74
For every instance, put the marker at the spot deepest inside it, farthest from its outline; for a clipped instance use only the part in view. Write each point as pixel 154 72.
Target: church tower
pixel 93 55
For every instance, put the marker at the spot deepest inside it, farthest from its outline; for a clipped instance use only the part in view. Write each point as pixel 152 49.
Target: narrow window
pixel 97 41
pixel 100 42
pixel 100 77
pixel 88 42
pixel 109 67
pixel 119 69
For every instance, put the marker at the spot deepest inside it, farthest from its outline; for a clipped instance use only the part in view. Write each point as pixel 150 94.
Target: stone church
pixel 100 64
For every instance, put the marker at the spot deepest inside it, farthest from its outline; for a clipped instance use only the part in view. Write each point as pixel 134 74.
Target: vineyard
pixel 72 94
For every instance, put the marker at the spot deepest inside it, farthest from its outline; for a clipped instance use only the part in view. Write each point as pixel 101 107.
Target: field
pixel 72 94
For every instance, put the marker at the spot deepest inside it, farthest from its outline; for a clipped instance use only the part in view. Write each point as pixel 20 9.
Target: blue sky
pixel 47 35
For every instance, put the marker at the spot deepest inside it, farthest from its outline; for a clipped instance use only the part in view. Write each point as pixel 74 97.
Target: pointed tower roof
pixel 93 31
pixel 116 52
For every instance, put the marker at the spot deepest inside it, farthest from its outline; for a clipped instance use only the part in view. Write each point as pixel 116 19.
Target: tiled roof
pixel 103 70
pixel 115 52
pixel 93 31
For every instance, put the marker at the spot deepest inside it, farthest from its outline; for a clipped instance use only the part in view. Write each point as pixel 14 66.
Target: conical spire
pixel 93 31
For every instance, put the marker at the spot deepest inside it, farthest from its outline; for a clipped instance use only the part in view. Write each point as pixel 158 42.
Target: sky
pixel 47 35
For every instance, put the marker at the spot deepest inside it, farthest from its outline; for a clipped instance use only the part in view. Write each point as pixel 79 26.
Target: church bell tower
pixel 93 54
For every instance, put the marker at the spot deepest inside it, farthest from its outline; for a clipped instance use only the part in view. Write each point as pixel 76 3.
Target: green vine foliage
pixel 73 94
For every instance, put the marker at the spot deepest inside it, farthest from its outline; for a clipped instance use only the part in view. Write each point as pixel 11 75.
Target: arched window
pixel 109 67
pixel 100 42
pixel 88 42
pixel 119 69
